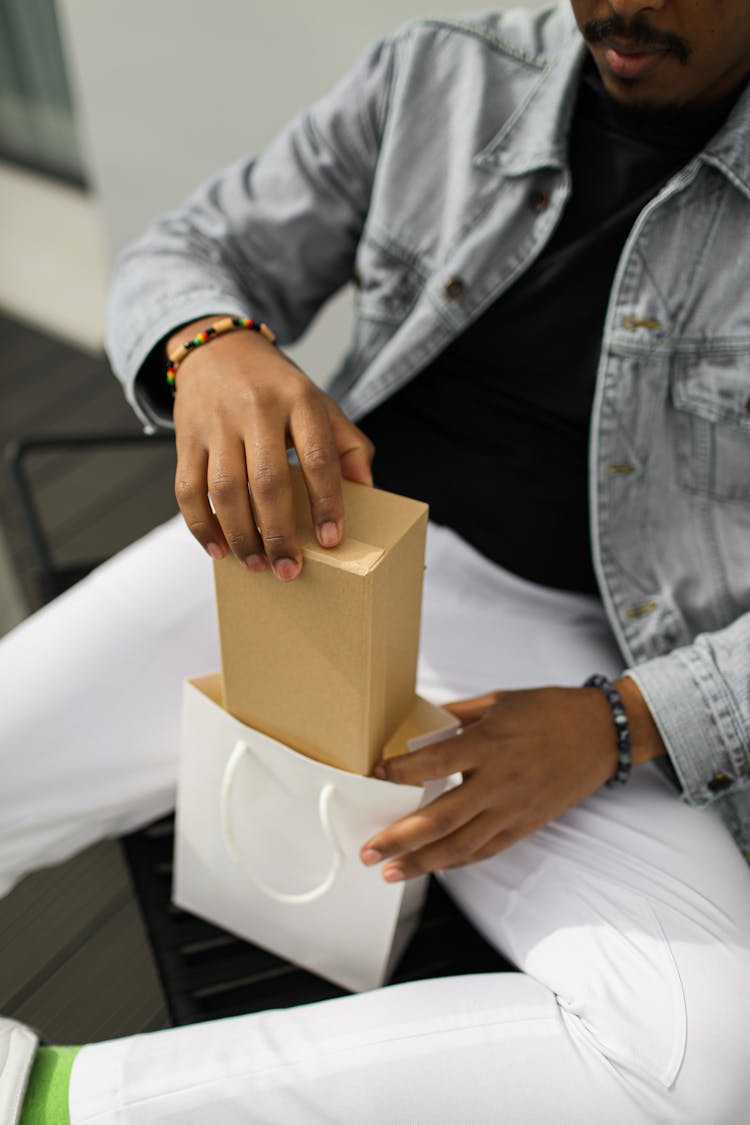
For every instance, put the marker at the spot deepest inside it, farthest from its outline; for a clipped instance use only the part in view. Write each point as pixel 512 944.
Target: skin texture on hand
pixel 240 404
pixel 525 756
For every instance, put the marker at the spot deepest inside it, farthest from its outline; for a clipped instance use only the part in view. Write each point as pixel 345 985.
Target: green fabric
pixel 46 1101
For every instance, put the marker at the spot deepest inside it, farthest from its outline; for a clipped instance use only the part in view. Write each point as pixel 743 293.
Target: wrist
pixel 217 331
pixel 646 742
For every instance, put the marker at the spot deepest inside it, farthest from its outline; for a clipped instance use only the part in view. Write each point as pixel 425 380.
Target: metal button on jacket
pixel 455 289
pixel 719 782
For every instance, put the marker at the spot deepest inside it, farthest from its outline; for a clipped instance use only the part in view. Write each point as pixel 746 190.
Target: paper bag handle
pixel 326 793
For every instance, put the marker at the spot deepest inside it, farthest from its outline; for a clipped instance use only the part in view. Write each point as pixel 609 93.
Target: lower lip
pixel 633 66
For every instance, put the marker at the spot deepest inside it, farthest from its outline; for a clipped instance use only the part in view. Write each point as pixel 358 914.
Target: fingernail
pixel 370 856
pixel 256 563
pixel 379 771
pixel 286 569
pixel 393 875
pixel 215 551
pixel 328 534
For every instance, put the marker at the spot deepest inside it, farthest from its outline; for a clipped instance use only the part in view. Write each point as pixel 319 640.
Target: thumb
pixel 354 448
pixel 355 465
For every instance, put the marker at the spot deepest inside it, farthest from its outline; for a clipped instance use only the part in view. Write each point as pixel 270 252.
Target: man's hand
pixel 239 405
pixel 525 757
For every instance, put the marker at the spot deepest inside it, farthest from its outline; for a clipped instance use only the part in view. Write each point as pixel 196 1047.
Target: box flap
pixel 352 554
pixel 423 721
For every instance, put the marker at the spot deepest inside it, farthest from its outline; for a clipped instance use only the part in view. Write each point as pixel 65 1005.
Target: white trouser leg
pixel 630 917
pixel 632 1008
pixel 91 696
pixel 634 911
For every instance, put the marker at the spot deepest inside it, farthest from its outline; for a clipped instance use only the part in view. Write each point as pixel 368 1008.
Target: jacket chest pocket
pixel 711 395
pixel 388 280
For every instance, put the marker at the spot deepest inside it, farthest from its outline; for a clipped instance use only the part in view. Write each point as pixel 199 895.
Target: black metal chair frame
pixel 52 579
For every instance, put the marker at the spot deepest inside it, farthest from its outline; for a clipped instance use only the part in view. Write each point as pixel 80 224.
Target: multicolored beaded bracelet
pixel 226 324
pixel 622 728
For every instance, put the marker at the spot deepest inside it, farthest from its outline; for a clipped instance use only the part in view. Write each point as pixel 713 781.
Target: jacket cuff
pixel 17 1049
pixel 699 721
pixel 137 364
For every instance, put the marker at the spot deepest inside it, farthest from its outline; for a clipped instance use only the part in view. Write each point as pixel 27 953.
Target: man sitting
pixel 546 220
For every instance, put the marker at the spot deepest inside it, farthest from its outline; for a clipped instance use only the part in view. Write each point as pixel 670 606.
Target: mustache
pixel 638 33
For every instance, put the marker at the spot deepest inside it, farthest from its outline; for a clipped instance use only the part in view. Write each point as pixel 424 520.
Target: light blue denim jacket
pixel 432 176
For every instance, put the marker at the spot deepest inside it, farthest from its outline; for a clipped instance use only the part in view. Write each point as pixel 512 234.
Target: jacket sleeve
pixel 699 696
pixel 271 237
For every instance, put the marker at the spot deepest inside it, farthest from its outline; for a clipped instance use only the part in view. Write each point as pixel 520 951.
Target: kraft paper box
pixel 327 663
pixel 267 842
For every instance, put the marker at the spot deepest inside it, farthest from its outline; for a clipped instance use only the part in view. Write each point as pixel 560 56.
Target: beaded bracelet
pixel 622 728
pixel 226 324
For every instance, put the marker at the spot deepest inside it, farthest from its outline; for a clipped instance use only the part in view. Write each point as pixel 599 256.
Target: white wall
pixel 54 269
pixel 170 90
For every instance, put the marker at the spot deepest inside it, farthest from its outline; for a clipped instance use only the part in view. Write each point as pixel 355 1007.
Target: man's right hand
pixel 240 404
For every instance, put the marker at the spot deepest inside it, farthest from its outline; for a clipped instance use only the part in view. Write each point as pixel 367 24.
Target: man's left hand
pixel 525 756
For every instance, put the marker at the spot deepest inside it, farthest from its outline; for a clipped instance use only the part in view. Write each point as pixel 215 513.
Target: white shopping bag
pixel 267 845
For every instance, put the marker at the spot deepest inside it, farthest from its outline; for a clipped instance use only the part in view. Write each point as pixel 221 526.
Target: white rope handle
pixel 324 800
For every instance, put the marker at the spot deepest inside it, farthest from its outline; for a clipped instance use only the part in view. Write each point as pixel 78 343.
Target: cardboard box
pixel 327 663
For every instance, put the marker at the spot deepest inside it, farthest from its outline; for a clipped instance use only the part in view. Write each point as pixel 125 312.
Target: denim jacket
pixel 431 177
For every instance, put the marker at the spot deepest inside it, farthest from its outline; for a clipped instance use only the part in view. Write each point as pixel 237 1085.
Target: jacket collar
pixel 536 135
pixel 729 149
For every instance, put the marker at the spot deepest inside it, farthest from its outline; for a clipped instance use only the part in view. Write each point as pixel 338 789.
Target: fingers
pixel 354 449
pixel 267 470
pixel 233 434
pixel 457 827
pixel 327 446
pixel 222 476
pixel 227 486
pixel 192 498
pixel 313 440
pixel 426 826
pixel 533 756
pixel 452 755
pixel 472 710
pixel 472 842
pixel 446 833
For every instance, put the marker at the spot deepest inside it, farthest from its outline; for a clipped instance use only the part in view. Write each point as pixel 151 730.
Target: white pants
pixel 629 917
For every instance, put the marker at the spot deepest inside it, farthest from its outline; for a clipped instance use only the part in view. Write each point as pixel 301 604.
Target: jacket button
pixel 639 610
pixel 539 201
pixel 719 782
pixel 618 469
pixel 455 289
pixel 633 323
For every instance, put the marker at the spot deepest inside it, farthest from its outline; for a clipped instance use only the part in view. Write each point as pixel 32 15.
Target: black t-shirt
pixel 494 433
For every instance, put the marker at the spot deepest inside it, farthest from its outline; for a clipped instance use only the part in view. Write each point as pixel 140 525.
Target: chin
pixel 639 92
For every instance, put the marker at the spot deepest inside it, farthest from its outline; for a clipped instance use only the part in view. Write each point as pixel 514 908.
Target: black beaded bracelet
pixel 622 728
